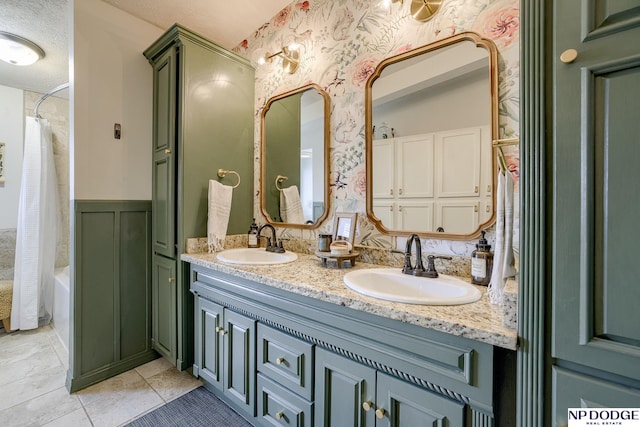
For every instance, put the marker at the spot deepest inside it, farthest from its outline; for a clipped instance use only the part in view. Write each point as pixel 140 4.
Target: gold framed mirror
pixel 431 116
pixel 294 158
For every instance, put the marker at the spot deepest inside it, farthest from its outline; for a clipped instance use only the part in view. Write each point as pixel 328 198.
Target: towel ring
pixel 223 172
pixel 279 179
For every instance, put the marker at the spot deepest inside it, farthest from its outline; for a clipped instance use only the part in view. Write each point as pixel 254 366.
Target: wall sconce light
pixel 17 50
pixel 423 10
pixel 290 58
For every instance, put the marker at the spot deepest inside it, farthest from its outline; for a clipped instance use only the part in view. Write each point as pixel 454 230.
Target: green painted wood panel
pixel 164 154
pixel 575 390
pixel 110 290
pixel 405 404
pixel 164 307
pixel 342 386
pixel 135 312
pixel 208 354
pixel 239 360
pixel 97 274
pixel 596 153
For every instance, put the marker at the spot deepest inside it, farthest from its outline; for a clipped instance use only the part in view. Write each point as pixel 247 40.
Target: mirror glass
pixel 295 159
pixel 431 119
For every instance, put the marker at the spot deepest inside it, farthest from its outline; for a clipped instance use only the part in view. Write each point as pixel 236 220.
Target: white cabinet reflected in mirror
pixel 295 159
pixel 431 116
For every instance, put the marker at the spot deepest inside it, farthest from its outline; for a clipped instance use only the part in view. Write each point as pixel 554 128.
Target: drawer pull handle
pixel 279 360
pixel 367 406
pixel 220 330
pixel 280 415
pixel 380 413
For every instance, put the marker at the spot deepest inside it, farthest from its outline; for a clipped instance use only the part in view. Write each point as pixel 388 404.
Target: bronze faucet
pixel 272 245
pixel 419 269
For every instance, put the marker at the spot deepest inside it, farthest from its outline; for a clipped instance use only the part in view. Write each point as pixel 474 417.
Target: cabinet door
pixel 385 210
pixel 416 216
pixel 383 181
pixel 164 136
pixel 458 165
pixel 595 174
pixel 457 216
pixel 414 166
pixel 164 307
pixel 342 387
pixel 239 357
pixel 405 404
pixel 208 350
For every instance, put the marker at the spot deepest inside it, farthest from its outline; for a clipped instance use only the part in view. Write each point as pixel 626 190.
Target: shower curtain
pixel 36 232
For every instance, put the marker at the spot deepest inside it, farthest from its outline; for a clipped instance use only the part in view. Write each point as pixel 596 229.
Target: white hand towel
pixel 218 216
pixel 503 255
pixel 290 205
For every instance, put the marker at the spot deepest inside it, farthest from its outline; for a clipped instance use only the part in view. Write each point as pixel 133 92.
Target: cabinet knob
pixel 568 56
pixel 380 413
pixel 171 279
pixel 477 189
pixel 488 188
pixel 475 208
pixel 391 192
pixel 167 151
pixel 280 415
pixel 220 330
pixel 367 406
pixel 400 191
pixel 279 360
pixel 399 208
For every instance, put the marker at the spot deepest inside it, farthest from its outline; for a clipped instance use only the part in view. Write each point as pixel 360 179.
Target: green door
pixel 596 158
pixel 208 351
pixel 164 307
pixel 164 119
pixel 342 387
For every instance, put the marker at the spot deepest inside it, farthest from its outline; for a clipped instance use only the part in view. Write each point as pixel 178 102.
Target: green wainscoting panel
pixel 110 328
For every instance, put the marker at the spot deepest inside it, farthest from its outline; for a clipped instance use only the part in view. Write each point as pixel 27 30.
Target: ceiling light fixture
pixel 290 58
pixel 17 50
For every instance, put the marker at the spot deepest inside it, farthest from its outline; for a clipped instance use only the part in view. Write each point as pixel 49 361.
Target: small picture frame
pixel 344 226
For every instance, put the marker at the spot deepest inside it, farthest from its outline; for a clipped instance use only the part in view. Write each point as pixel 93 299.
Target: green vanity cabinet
pixel 351 394
pixel 319 363
pixel 225 353
pixel 203 100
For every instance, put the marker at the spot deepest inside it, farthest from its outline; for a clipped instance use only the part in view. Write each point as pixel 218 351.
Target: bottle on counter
pixel 252 235
pixel 481 263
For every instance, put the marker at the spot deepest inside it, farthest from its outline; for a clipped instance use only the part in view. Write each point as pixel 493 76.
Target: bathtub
pixel 61 298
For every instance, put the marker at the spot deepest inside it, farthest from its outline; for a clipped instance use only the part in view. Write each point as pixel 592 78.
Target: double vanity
pixel 287 342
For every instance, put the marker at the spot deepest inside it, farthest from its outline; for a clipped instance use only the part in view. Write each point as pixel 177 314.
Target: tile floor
pixel 33 369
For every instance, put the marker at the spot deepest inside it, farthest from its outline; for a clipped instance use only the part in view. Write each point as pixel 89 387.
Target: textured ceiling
pixel 45 22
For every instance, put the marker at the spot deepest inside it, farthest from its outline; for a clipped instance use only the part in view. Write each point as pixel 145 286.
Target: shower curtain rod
pixel 48 94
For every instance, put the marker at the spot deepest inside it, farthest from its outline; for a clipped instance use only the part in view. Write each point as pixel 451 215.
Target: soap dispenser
pixel 252 235
pixel 481 262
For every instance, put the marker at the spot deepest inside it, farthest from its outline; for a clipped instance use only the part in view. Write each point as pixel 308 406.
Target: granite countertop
pixel 480 321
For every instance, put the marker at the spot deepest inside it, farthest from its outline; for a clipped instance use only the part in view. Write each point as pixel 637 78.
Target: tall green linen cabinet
pixel 203 100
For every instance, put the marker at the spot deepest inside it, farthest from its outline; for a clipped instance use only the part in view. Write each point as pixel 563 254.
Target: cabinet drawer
pixel 280 407
pixel 286 359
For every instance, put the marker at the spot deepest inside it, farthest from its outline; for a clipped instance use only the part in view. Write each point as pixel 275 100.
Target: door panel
pixel 164 307
pixel 208 350
pixel 342 386
pixel 239 359
pixel 596 153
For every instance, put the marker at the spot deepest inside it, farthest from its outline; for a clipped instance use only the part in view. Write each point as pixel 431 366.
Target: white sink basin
pixel 255 256
pixel 392 285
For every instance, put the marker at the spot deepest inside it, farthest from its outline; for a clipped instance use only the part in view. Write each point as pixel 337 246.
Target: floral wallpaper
pixel 341 43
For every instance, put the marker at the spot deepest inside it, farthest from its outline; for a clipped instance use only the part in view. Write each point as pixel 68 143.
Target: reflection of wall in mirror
pixel 440 107
pixel 311 153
